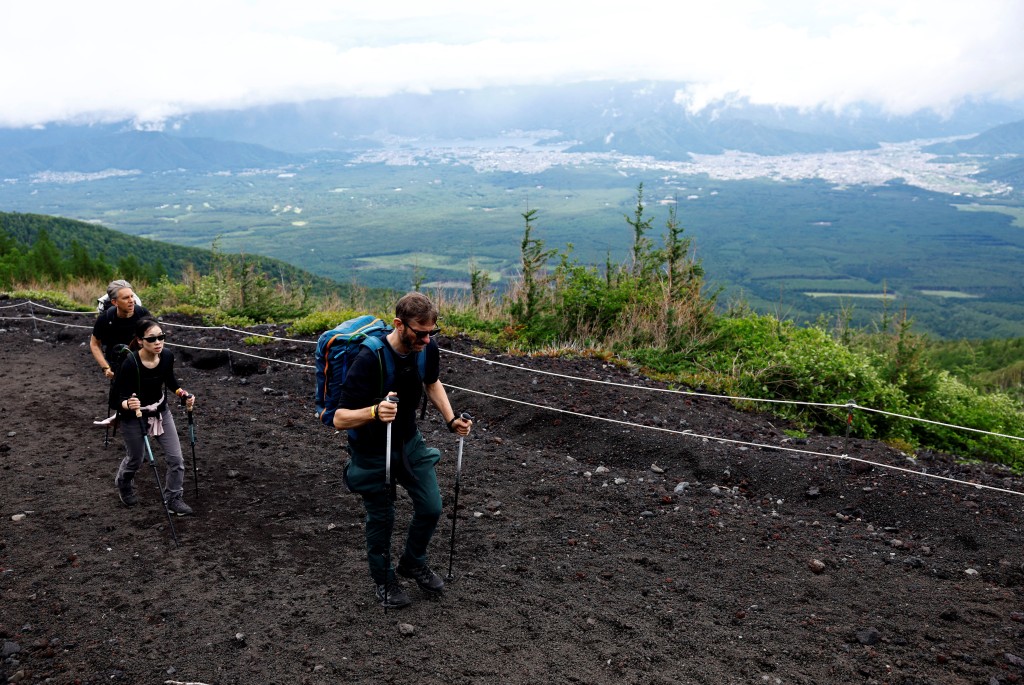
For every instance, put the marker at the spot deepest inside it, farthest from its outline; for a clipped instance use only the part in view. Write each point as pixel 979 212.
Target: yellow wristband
pixel 373 412
pixel 106 368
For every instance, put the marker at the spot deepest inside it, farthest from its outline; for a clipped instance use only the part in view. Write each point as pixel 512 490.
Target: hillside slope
pixel 768 566
pixel 111 246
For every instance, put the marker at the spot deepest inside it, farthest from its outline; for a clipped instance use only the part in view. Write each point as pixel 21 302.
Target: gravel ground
pixel 586 551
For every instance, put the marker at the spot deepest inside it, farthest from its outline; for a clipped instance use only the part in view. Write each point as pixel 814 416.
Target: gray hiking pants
pixel 136 452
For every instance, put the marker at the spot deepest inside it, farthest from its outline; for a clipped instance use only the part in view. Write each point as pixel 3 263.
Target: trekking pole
pixel 387 488
pixel 192 439
pixel 455 502
pixel 106 410
pixel 156 472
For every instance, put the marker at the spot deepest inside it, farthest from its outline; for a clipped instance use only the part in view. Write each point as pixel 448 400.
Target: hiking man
pixel 115 327
pixel 365 412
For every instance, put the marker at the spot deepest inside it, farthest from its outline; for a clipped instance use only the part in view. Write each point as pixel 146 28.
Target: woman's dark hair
pixel 141 326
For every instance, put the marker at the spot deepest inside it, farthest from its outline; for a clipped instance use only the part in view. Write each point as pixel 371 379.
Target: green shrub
pixel 317 322
pixel 954 402
pixel 54 298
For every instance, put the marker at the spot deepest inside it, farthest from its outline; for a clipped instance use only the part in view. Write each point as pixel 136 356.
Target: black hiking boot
pixel 126 491
pixel 424 577
pixel 392 595
pixel 178 507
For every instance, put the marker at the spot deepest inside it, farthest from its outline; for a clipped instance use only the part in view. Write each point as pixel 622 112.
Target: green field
pixel 778 246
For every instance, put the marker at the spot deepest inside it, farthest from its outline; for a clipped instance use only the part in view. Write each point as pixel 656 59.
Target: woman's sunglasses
pixel 154 338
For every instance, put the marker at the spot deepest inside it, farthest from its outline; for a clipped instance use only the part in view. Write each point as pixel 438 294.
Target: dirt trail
pixel 576 561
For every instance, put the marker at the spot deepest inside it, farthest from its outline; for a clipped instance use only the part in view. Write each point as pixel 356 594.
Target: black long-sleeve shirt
pixel 135 378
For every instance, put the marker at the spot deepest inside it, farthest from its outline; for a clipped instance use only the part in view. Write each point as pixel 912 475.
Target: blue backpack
pixel 335 350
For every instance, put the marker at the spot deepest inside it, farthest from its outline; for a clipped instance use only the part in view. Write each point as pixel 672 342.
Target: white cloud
pixel 117 59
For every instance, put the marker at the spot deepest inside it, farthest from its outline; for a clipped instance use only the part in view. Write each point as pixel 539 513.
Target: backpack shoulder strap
pixel 384 360
pixel 421 363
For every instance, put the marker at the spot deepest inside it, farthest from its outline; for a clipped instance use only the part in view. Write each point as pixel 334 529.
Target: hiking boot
pixel 424 577
pixel 126 491
pixel 178 507
pixel 392 595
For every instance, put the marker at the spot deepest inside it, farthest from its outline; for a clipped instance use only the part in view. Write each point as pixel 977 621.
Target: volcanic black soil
pixel 616 549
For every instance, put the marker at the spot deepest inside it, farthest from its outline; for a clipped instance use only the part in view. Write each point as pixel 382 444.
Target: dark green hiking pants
pixel 413 469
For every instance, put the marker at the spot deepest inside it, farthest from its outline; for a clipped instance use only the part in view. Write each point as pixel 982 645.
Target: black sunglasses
pixel 154 338
pixel 423 334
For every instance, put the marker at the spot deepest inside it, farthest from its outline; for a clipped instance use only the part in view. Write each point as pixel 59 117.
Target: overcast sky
pixel 113 60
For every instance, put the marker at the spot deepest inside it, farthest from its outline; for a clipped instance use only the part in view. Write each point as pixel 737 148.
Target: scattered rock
pixel 203 359
pixel 601 469
pixel 19 517
pixel 646 514
pixel 232 473
pixel 657 469
pixel 406 628
pixel 816 565
pixel 9 648
pixel 972 572
pixel 860 468
pixel 620 481
pixel 813 492
pixel 681 488
pixel 244 366
pixel 868 636
pixel 913 562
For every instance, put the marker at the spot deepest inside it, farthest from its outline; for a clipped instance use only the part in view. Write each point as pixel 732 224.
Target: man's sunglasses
pixel 154 338
pixel 423 334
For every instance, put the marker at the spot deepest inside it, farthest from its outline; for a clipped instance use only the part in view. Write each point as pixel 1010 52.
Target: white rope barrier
pixel 54 309
pixel 937 423
pixel 684 433
pixel 689 433
pixel 226 350
pixel 640 387
pixel 49 321
pixel 849 405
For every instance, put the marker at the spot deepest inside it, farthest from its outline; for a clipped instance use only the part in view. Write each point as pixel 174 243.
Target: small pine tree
pixel 479 285
pixel 642 254
pixel 533 259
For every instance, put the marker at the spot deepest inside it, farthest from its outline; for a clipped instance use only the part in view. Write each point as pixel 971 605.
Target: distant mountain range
pixel 633 119
pixel 1000 140
pixel 146 151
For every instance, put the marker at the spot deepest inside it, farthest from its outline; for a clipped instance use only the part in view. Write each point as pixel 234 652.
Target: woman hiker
pixel 142 382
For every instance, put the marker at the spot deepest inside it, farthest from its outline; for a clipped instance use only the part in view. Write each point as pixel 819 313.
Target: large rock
pixel 203 359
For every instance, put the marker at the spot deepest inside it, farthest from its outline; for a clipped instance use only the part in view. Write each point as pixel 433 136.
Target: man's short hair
pixel 115 287
pixel 415 307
